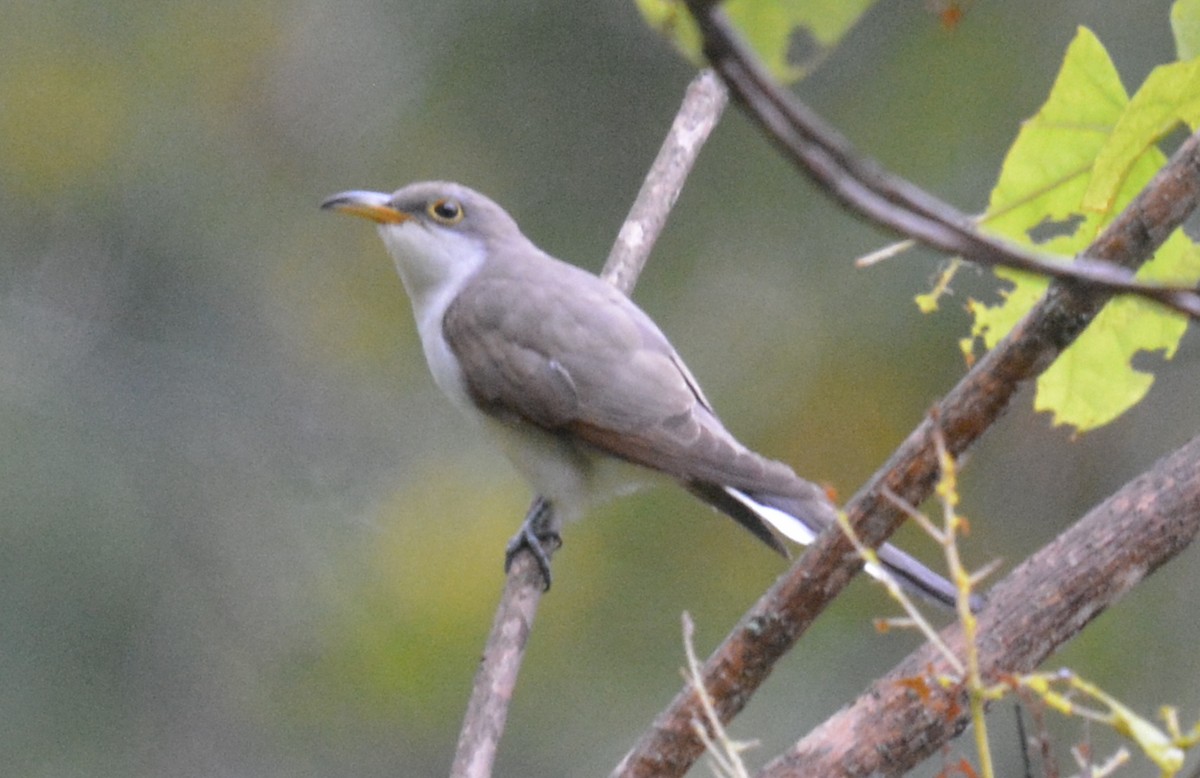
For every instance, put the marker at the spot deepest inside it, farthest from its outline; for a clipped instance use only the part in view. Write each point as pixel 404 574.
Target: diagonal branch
pixel 491 693
pixel 864 187
pixel 702 107
pixel 772 626
pixel 1042 604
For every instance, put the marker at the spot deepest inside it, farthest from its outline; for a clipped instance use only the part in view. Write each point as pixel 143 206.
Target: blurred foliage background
pixel 242 533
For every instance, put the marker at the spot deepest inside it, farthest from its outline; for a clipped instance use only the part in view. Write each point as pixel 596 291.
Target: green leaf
pixel 1086 153
pixel 791 36
pixel 1170 95
pixel 1185 24
pixel 1045 175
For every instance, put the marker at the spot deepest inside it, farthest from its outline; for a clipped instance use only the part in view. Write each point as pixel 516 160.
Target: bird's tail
pixel 800 517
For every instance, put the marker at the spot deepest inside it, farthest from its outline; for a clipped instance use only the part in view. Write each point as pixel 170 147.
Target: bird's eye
pixel 446 210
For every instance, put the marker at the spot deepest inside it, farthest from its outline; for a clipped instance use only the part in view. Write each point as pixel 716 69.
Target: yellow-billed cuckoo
pixel 576 383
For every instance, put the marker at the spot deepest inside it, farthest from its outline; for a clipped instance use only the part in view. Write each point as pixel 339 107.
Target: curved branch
pixel 771 627
pixel 867 189
pixel 487 710
pixel 1046 601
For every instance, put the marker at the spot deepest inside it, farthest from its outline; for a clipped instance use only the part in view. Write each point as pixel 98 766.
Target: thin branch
pixel 1046 601
pixel 724 751
pixel 702 107
pixel 866 188
pixel 772 626
pixel 487 710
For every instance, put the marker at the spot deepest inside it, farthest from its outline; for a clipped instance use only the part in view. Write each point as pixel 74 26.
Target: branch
pixel 772 626
pixel 702 107
pixel 487 710
pixel 867 189
pixel 1046 601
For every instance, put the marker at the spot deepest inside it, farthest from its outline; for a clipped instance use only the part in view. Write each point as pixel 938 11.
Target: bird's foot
pixel 539 535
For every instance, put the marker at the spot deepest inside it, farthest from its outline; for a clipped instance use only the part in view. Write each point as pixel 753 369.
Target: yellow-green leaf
pixel 1170 95
pixel 1045 176
pixel 1086 153
pixel 791 36
pixel 1185 24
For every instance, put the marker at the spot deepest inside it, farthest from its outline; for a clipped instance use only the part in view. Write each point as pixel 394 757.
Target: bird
pixel 575 382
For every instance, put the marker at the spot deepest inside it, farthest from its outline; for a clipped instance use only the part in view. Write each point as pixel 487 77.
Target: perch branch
pixel 491 693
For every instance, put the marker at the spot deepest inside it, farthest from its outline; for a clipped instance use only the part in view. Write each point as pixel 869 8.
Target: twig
pixel 770 628
pixel 725 752
pixel 1044 602
pixel 887 200
pixel 913 615
pixel 504 651
pixel 702 107
pixel 487 710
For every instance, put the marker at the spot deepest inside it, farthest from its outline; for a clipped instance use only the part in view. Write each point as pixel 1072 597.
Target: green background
pixel 242 533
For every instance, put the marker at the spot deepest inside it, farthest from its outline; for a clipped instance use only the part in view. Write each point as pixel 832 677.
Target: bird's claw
pixel 539 536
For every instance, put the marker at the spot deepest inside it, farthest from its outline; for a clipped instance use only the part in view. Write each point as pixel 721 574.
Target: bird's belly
pixel 572 475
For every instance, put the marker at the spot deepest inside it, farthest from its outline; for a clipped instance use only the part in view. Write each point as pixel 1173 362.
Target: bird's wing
pixel 555 346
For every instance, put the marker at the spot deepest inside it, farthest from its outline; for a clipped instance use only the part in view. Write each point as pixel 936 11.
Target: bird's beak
pixel 375 206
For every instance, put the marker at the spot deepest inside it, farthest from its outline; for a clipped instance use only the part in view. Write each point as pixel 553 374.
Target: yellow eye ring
pixel 446 210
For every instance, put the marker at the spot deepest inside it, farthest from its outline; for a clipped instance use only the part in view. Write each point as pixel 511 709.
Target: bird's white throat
pixel 434 265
